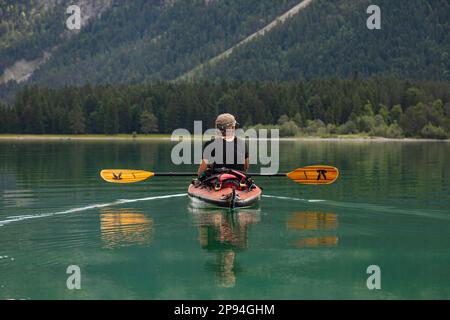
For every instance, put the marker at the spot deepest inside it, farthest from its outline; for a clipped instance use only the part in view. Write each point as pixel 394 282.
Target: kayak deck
pixel 224 197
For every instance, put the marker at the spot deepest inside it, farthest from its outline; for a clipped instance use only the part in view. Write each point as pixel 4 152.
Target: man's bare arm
pixel 246 165
pixel 202 168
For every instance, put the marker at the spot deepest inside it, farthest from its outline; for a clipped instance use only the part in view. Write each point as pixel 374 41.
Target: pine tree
pixel 149 122
pixel 111 119
pixel 3 119
pixel 77 121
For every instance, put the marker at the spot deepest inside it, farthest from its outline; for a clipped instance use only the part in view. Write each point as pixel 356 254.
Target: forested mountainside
pixel 30 28
pixel 132 41
pixel 151 40
pixel 27 29
pixel 331 38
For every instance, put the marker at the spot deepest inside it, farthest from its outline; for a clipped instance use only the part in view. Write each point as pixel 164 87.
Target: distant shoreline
pixel 167 137
pixel 83 137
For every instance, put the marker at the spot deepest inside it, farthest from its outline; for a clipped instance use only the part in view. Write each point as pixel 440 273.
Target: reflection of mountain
pixel 125 227
pixel 224 233
pixel 314 221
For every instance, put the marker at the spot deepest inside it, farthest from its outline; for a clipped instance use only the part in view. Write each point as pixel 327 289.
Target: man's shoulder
pixel 236 140
pixel 241 140
pixel 207 143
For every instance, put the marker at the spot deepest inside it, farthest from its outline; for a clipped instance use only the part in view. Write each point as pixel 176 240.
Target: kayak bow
pixel 225 197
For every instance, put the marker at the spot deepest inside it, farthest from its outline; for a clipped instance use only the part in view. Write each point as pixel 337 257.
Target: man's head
pixel 226 123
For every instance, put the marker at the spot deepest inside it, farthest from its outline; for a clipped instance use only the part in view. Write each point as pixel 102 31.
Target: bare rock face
pixel 22 70
pixel 92 9
pixel 168 3
pixel 89 8
pixel 48 4
pixel 208 2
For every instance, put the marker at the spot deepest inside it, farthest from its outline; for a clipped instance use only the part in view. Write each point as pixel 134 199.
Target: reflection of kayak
pixel 226 197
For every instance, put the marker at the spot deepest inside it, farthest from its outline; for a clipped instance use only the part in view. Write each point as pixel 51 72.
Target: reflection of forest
pixel 224 233
pixel 7 180
pixel 11 195
pixel 314 221
pixel 68 160
pixel 18 198
pixel 372 171
pixel 125 227
pixel 375 171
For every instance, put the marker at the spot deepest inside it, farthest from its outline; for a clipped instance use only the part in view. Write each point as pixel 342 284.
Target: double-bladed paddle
pixel 315 175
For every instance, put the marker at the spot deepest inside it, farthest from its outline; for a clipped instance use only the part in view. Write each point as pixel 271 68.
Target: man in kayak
pixel 227 151
pixel 222 179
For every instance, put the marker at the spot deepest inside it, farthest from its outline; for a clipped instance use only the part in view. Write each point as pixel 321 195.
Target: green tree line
pixel 379 106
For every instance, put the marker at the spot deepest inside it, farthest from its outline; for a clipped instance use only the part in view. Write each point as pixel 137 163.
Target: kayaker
pixel 226 151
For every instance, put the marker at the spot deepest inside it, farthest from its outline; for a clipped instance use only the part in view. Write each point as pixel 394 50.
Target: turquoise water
pixel 390 207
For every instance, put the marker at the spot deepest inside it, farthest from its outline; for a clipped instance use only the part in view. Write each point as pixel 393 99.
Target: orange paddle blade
pixel 125 176
pixel 314 175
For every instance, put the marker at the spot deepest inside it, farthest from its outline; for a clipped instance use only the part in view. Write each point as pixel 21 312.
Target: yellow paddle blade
pixel 314 175
pixel 125 176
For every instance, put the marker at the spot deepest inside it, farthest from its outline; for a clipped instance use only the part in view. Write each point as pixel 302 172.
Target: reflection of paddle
pixel 306 175
pixel 125 227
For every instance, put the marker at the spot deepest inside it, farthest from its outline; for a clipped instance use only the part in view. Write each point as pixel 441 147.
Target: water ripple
pixel 435 214
pixel 12 219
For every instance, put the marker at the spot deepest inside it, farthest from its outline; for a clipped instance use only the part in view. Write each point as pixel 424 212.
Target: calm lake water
pixel 390 207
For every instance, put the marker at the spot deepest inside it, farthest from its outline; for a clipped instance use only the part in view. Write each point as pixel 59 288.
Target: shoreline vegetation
pixel 167 137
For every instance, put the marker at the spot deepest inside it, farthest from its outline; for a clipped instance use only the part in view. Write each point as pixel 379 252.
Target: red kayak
pixel 226 197
pixel 231 189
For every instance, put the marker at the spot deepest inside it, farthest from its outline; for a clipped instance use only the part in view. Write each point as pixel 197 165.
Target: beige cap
pixel 225 121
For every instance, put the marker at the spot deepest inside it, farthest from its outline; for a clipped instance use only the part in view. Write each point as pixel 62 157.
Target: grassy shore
pixel 84 137
pixel 143 137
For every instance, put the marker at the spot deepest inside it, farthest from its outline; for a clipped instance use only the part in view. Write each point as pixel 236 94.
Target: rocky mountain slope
pixel 145 41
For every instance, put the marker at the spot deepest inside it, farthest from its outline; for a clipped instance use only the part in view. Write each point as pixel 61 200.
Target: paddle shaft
pixel 191 174
pixel 307 175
